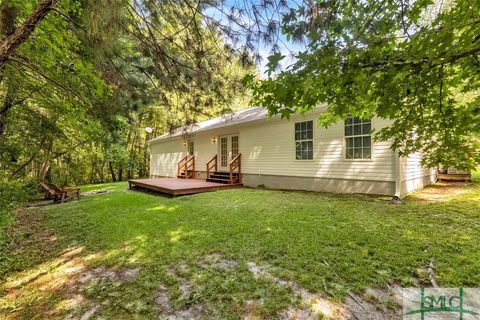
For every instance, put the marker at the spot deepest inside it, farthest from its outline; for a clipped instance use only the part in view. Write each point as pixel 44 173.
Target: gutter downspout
pixel 398 174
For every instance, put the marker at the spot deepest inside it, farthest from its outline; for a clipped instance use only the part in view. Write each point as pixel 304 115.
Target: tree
pixel 414 62
pixel 14 39
pixel 93 74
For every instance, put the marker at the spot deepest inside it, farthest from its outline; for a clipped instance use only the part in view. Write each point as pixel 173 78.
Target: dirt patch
pixel 38 203
pixel 129 274
pixel 440 191
pixel 164 304
pixel 29 232
pixel 103 273
pixel 216 261
pixel 90 312
pixel 96 192
pixel 374 304
pixel 162 300
pixel 191 309
pixel 313 305
pixel 251 309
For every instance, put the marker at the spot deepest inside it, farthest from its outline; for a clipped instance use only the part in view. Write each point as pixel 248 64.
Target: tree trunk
pixel 112 172
pixel 12 42
pixel 8 17
pixel 6 106
pixel 92 173
pixel 120 173
pixel 44 168
pixel 101 172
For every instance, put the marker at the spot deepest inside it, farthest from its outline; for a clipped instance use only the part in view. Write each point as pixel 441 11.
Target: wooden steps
pixel 223 177
pixel 190 174
pixel 231 177
pixel 186 168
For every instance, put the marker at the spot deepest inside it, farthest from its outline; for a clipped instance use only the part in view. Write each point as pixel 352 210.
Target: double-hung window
pixel 358 138
pixel 304 140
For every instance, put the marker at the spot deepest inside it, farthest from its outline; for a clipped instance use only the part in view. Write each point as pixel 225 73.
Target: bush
pixel 476 176
pixel 14 192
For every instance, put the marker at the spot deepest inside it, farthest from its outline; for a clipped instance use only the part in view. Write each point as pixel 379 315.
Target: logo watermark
pixel 441 303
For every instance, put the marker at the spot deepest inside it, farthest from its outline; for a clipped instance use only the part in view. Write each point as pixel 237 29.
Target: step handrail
pixel 209 166
pixel 187 163
pixel 236 164
pixel 180 165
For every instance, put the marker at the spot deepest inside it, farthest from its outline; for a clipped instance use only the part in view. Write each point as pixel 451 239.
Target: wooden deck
pixel 177 187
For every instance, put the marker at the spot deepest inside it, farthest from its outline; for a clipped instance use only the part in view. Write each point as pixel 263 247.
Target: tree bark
pixel 12 42
pixel 112 172
pixel 45 164
pixel 8 18
pixel 6 106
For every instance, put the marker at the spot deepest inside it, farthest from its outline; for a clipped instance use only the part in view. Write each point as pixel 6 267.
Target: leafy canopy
pixel 414 62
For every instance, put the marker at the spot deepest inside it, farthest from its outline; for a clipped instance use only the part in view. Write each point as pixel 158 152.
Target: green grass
pixel 476 176
pixel 333 244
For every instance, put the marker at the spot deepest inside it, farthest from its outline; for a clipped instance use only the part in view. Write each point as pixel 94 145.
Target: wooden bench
pixel 51 191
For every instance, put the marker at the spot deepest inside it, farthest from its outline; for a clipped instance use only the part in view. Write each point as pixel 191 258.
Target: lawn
pixel 250 253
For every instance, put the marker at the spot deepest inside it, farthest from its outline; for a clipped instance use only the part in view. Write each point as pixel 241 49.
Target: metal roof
pixel 234 118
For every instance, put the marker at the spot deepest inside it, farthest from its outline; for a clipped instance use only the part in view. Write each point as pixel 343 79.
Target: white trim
pixel 229 148
pixel 398 174
pixel 295 141
pixel 344 144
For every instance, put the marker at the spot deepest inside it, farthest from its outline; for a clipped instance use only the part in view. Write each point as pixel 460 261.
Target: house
pixel 251 148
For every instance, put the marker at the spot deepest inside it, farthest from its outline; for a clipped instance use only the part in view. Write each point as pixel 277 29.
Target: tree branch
pixel 11 43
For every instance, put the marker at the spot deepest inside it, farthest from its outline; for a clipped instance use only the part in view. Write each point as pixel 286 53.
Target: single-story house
pixel 293 154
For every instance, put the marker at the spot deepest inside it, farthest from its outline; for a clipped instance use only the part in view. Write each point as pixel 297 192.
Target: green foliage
pixel 415 63
pixel 80 91
pixel 12 194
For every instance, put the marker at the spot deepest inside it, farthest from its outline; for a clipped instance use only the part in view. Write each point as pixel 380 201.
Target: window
pixel 223 151
pixel 191 148
pixel 304 140
pixel 358 139
pixel 234 146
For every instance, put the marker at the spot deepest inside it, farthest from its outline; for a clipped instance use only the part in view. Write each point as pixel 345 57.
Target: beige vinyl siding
pixel 205 149
pixel 413 175
pixel 268 148
pixel 165 156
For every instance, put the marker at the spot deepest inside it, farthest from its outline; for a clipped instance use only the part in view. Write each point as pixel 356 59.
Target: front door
pixel 228 149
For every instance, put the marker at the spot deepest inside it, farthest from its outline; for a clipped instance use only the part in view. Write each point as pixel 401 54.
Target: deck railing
pixel 235 166
pixel 188 165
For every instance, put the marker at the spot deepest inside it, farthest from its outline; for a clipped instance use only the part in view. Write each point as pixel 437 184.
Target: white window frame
pixel 189 144
pixel 303 140
pixel 357 136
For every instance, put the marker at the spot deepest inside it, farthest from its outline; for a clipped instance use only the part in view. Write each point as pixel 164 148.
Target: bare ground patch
pixel 440 191
pixel 165 304
pixel 216 261
pixel 373 304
